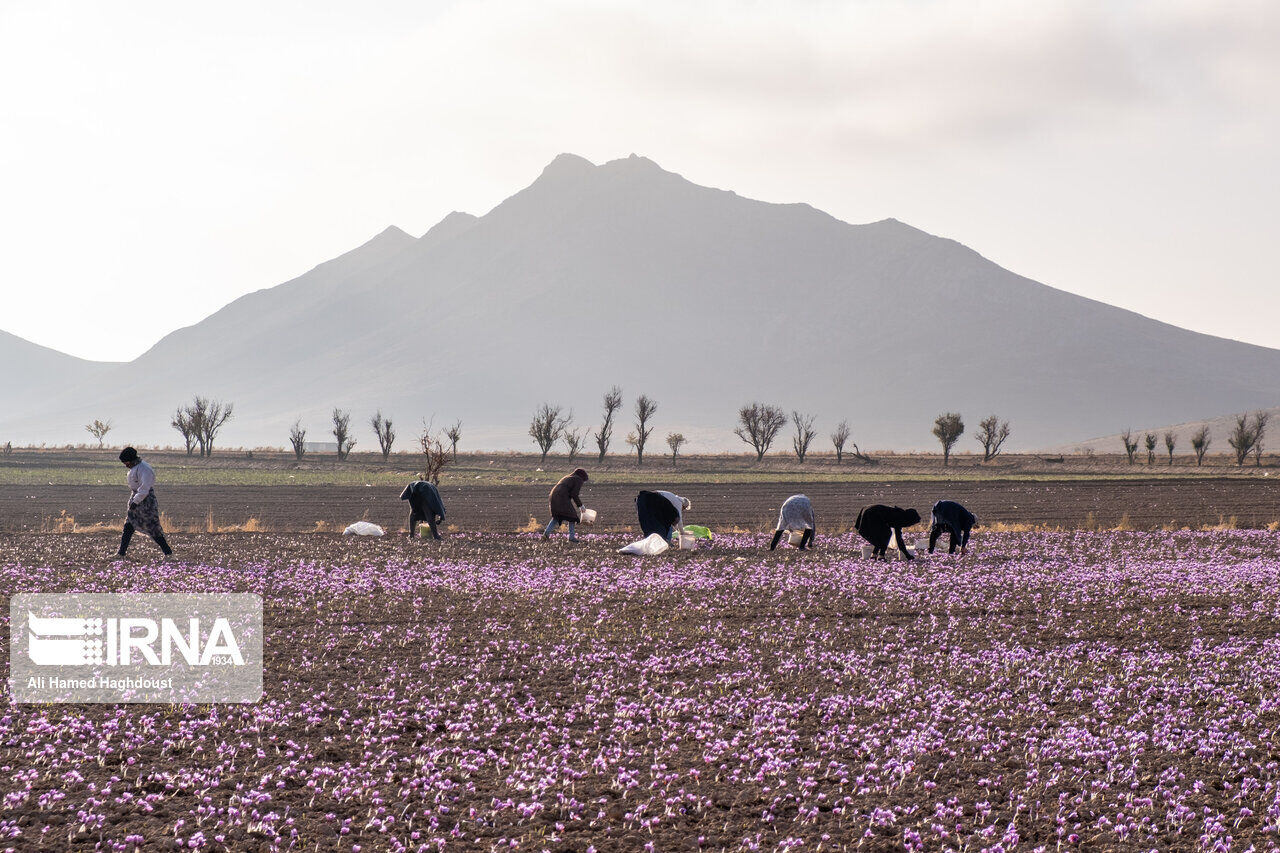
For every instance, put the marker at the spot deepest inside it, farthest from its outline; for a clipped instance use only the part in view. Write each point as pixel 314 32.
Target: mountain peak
pixel 568 164
pixel 391 236
pixel 453 224
pixel 634 163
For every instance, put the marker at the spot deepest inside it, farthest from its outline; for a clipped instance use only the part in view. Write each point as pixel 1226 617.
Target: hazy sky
pixel 160 159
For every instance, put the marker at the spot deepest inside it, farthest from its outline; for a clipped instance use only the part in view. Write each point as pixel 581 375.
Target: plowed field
pixel 744 506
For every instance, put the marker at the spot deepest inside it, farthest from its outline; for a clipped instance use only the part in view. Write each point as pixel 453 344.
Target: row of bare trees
pixel 1246 439
pixel 759 425
pixel 992 433
pixel 383 430
pixel 551 424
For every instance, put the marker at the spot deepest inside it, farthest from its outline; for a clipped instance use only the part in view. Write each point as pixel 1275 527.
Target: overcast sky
pixel 160 159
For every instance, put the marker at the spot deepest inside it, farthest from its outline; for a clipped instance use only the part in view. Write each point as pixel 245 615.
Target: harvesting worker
pixel 566 505
pixel 796 514
pixel 661 512
pixel 144 512
pixel 955 520
pixel 877 522
pixel 424 505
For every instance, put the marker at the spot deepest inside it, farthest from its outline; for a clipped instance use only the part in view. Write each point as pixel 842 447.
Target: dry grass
pixel 1227 523
pixel 1019 527
pixel 64 523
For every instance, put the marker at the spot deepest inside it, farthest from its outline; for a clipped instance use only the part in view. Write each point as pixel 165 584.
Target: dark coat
pixel 564 499
pixel 657 514
pixel 878 523
pixel 424 500
pixel 953 517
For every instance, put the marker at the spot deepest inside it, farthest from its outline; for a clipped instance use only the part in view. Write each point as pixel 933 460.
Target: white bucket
pixel 588 516
pixel 687 541
pixel 795 537
pixel 866 551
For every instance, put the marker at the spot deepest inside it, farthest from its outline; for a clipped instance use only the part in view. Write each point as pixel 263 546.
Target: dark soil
pixel 1146 504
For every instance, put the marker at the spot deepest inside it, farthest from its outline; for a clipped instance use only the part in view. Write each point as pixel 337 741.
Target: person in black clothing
pixel 424 505
pixel 876 523
pixel 660 513
pixel 955 520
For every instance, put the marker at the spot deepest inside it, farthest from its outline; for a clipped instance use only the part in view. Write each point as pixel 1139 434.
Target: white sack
pixel 647 547
pixel 363 528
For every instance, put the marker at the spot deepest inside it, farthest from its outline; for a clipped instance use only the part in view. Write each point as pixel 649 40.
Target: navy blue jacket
pixel 424 499
pixel 953 516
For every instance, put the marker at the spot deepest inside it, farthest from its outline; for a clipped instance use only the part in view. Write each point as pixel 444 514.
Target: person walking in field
pixel 956 521
pixel 661 512
pixel 424 505
pixel 566 505
pixel 144 511
pixel 796 514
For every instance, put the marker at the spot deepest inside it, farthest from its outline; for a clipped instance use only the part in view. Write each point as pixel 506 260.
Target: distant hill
pixel 628 274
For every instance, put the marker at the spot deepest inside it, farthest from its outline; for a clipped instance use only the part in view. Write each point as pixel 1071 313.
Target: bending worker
pixel 796 514
pixel 956 521
pixel 661 512
pixel 424 505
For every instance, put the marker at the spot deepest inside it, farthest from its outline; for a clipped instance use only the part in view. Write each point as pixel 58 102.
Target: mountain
pixel 33 372
pixel 628 274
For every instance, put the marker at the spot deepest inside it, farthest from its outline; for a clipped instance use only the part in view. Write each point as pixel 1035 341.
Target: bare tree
pixel 454 434
pixel 1260 419
pixel 1200 442
pixel 385 433
pixel 612 402
pixel 434 456
pixel 195 416
pixel 1242 438
pixel 1130 444
pixel 548 426
pixel 573 441
pixel 342 433
pixel 838 438
pixel 674 440
pixel 1170 441
pixel 645 409
pixel 803 436
pixel 862 457
pixel 631 440
pixel 181 421
pixel 98 429
pixel 991 434
pixel 948 428
pixel 1149 440
pixel 298 438
pixel 207 417
pixel 758 426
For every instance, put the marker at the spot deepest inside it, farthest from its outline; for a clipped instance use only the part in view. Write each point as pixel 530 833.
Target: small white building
pixel 320 446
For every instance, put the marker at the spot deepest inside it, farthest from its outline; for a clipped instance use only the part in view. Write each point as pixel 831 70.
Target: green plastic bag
pixel 698 531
